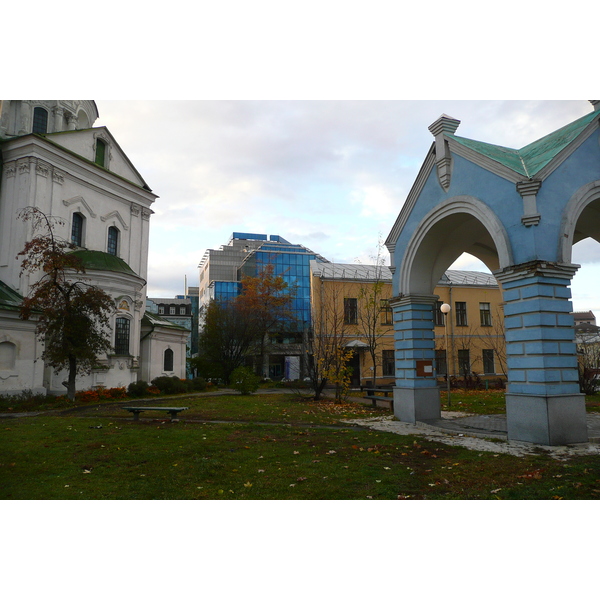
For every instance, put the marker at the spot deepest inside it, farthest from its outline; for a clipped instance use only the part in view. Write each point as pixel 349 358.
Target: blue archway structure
pixel 519 212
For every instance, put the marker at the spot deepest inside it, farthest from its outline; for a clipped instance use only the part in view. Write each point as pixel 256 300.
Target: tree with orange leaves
pixel 73 315
pixel 266 299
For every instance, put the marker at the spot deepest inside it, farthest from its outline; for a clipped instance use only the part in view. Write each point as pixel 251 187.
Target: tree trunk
pixel 72 375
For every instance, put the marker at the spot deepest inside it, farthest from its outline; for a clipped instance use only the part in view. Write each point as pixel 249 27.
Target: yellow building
pixel 350 309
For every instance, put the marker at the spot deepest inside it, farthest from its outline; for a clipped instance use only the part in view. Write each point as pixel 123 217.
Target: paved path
pixel 482 432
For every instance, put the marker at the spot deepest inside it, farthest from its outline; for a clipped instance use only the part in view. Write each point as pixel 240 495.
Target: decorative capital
pixel 58 177
pixel 407 299
pixel 536 268
pixel 528 191
pixel 445 124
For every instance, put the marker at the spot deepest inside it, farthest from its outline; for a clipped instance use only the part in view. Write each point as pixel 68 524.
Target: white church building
pixel 53 158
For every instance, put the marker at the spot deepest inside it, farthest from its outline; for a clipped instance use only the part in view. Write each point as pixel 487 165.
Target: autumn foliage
pixel 72 315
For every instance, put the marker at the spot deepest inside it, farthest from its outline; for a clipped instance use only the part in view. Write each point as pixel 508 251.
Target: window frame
pixel 486 362
pixel 101 152
pixel 464 358
pixel 172 360
pixel 350 311
pixel 438 315
pixel 36 124
pixel 112 228
pixel 122 336
pixel 441 358
pixel 485 314
pixel 78 238
pixel 460 309
pixel 388 363
pixel 387 312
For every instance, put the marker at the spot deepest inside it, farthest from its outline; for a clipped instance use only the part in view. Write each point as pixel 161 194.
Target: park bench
pixel 371 394
pixel 172 410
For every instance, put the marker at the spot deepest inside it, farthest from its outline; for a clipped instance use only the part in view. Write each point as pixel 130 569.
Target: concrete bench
pixel 371 394
pixel 172 410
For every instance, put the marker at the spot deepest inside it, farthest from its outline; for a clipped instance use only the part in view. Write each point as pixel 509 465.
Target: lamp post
pixel 445 308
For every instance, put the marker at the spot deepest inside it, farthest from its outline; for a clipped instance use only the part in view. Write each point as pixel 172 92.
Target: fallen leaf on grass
pixel 247 484
pixel 531 475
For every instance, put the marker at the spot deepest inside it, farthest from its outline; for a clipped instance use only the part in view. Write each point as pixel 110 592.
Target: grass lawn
pixel 270 447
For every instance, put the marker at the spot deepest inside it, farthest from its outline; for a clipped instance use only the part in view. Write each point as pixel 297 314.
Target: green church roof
pixel 531 159
pixel 9 299
pixel 95 260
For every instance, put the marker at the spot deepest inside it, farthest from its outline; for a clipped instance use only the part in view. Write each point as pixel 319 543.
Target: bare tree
pixel 588 350
pixel 328 356
pixel 374 313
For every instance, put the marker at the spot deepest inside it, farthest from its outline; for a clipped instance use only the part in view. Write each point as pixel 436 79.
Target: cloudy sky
pixel 331 175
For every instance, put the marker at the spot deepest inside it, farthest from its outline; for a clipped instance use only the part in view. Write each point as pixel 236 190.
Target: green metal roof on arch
pixel 530 159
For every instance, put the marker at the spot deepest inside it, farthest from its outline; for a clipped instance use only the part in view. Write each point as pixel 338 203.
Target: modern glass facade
pixel 292 263
pixel 246 254
pixel 223 291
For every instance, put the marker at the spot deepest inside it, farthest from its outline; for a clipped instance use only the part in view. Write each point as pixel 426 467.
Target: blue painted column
pixel 543 402
pixel 416 394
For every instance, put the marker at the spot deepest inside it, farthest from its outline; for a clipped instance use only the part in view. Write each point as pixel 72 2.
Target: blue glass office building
pixel 254 251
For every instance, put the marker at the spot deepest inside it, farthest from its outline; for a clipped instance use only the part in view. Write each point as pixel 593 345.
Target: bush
pixel 170 385
pixel 244 380
pixel 198 384
pixel 137 389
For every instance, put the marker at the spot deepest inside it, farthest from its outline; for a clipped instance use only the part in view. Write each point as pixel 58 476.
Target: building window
pixel 168 360
pixel 387 314
pixel 171 310
pixel 182 310
pixel 387 363
pixel 441 365
pixel 464 362
pixel 438 315
pixel 8 354
pixel 113 241
pixel 100 152
pixel 40 120
pixel 461 313
pixel 350 311
pixel 122 336
pixel 488 361
pixel 161 310
pixel 77 230
pixel 485 314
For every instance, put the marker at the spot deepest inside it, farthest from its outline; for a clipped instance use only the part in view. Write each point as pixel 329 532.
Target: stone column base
pixel 417 404
pixel 546 420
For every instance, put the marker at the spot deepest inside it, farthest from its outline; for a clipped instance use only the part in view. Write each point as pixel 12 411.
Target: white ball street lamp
pixel 446 308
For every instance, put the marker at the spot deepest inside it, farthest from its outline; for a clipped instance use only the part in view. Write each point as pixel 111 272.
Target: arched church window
pixel 100 152
pixel 122 329
pixel 77 229
pixel 168 360
pixel 40 120
pixel 113 241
